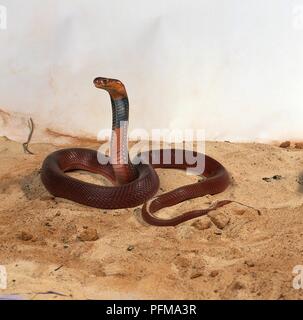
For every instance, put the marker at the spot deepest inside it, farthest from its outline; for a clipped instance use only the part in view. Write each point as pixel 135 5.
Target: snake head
pixel 106 83
pixel 114 87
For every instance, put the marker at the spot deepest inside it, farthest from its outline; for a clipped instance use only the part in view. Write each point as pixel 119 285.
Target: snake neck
pixel 123 168
pixel 120 112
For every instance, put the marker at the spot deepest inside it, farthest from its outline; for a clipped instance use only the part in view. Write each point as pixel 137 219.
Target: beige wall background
pixel 233 68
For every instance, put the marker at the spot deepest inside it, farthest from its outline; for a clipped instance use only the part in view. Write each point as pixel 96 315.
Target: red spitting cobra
pixel 133 184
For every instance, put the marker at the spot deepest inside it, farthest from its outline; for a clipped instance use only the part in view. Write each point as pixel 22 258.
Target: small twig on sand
pixel 59 268
pixel 26 144
pixel 35 294
pixel 52 292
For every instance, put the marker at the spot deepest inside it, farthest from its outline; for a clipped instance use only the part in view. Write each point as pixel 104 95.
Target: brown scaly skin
pixel 133 184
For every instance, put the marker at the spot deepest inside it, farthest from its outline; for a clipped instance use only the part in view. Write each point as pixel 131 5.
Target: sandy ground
pixel 234 253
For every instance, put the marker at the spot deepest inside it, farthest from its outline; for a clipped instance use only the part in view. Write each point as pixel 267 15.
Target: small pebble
pixel 196 275
pixel 130 248
pixel 275 177
pixel 249 263
pixel 88 235
pixel 285 144
pixel 299 145
pixel 202 224
pixel 214 273
pixel 220 220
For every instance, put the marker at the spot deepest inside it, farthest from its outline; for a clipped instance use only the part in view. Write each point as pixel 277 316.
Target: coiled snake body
pixel 133 184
